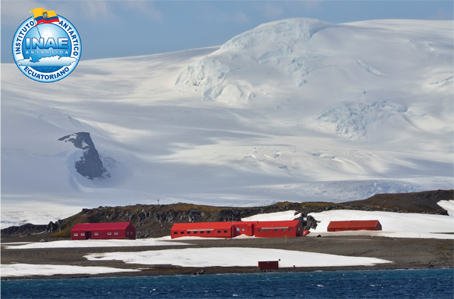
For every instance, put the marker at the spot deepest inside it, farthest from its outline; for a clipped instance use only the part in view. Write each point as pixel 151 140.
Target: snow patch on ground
pixel 394 225
pixel 20 270
pixel 448 205
pixel 97 243
pixel 234 257
pixel 285 215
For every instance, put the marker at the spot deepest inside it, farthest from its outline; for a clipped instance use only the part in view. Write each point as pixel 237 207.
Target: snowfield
pixel 448 205
pixel 394 225
pixel 165 241
pixel 200 257
pixel 234 257
pixel 296 110
pixel 277 216
pixel 20 270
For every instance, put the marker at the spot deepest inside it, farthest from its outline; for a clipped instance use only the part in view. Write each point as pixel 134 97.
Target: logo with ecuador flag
pixel 46 46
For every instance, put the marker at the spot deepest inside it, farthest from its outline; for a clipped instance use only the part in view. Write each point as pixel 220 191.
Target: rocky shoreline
pixel 209 271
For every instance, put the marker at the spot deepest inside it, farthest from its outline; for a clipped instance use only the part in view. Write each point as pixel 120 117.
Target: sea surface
pixel 433 283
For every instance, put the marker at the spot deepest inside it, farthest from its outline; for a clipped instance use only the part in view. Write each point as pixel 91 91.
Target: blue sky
pixel 129 28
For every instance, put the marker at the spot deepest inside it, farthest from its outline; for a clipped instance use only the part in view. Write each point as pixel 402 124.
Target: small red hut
pixel 116 230
pixel 336 226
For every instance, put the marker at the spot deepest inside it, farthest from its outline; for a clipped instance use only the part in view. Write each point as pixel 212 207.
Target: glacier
pixel 293 110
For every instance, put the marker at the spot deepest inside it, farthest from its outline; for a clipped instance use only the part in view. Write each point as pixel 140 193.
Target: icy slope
pixel 293 110
pixel 358 79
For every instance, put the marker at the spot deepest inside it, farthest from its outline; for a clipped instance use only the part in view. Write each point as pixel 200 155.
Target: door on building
pixel 88 235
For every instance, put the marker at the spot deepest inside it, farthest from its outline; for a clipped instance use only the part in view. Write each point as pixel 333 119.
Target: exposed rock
pixel 311 223
pixel 23 230
pixel 90 165
pixel 157 220
pixel 51 227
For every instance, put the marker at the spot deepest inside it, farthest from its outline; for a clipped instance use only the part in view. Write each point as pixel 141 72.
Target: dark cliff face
pixel 90 165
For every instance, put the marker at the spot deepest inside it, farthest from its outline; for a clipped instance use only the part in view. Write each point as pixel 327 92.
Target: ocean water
pixel 434 283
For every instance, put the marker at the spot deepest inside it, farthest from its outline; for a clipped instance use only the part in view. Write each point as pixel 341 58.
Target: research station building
pixel 116 230
pixel 262 229
pixel 336 226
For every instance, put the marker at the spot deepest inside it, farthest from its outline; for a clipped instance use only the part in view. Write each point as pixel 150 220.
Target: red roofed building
pixel 335 226
pixel 265 229
pixel 116 230
pixel 244 228
pixel 278 229
pixel 202 229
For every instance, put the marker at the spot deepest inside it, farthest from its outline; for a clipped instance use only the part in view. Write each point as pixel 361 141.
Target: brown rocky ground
pixel 404 253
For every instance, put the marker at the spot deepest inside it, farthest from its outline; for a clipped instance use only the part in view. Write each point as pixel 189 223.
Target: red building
pixel 244 228
pixel 278 229
pixel 335 226
pixel 263 229
pixel 117 230
pixel 274 265
pixel 202 229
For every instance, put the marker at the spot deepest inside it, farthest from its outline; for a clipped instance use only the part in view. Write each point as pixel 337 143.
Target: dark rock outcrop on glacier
pixel 90 165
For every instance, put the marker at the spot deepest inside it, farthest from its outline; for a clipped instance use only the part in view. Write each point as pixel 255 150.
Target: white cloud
pixel 16 11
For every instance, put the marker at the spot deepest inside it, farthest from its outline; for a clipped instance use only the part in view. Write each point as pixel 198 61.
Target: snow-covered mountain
pixel 297 110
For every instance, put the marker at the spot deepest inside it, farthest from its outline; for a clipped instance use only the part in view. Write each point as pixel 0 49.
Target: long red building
pixel 335 226
pixel 116 230
pixel 263 229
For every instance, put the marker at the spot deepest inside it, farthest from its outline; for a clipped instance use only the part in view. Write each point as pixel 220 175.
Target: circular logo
pixel 46 47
